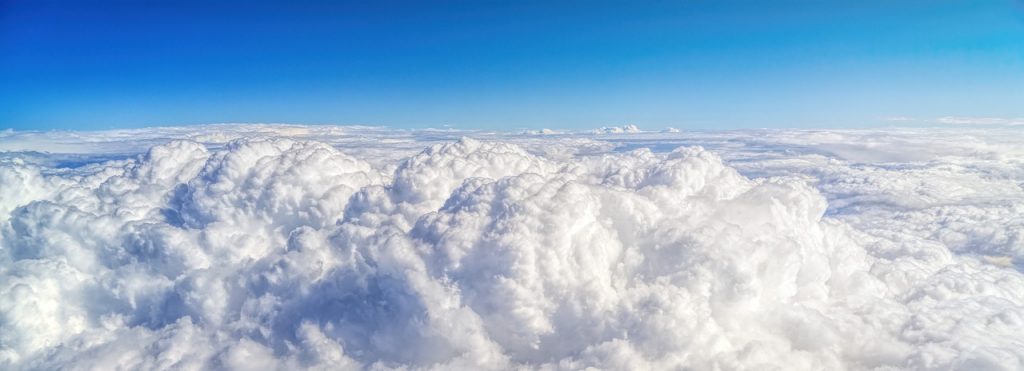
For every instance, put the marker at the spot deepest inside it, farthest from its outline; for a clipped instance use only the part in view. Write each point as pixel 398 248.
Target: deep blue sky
pixel 496 64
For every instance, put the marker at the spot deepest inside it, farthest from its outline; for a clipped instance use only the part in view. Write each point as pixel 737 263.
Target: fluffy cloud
pixel 287 250
pixel 624 129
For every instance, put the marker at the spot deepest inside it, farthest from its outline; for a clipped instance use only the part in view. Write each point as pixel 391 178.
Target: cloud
pixel 962 120
pixel 541 132
pixel 993 121
pixel 624 129
pixel 316 248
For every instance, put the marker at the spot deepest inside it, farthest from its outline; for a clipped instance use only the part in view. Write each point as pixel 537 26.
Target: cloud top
pixel 546 253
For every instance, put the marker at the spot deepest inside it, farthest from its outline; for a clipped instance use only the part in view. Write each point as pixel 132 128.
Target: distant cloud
pixel 624 129
pixel 544 131
pixel 964 120
pixel 960 120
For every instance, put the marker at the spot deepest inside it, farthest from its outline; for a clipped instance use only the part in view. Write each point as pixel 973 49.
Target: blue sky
pixel 508 65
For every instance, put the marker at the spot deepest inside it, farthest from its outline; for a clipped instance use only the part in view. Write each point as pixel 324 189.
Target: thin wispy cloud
pixel 993 121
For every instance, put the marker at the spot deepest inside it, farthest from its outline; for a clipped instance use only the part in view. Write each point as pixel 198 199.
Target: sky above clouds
pixel 509 65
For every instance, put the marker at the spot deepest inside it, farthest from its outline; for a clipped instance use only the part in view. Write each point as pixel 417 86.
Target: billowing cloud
pixel 624 129
pixel 288 247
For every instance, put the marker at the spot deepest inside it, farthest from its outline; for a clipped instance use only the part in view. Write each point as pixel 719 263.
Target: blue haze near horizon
pixel 507 65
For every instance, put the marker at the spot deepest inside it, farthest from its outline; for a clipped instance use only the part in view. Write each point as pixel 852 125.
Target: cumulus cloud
pixel 544 131
pixel 279 249
pixel 624 129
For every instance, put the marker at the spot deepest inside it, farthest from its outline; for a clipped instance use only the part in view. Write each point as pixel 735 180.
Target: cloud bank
pixel 997 121
pixel 286 247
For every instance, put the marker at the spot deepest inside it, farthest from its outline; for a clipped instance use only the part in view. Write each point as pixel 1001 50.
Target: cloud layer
pixel 345 248
pixel 1002 121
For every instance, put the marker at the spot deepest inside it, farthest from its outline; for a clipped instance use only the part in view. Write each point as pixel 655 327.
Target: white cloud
pixel 544 131
pixel 624 129
pixel 291 247
pixel 995 121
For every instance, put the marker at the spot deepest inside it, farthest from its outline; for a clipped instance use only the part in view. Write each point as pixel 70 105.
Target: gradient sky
pixel 508 65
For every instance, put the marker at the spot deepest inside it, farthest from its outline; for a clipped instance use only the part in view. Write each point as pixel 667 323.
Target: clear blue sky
pixel 517 64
